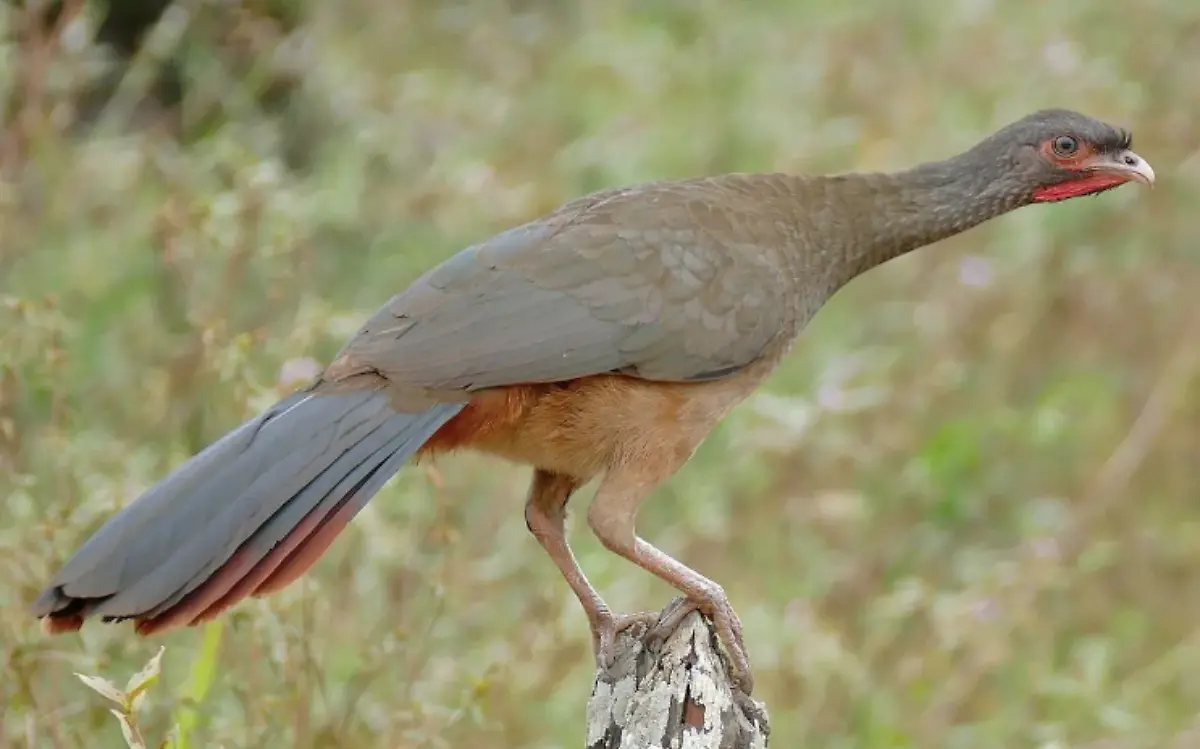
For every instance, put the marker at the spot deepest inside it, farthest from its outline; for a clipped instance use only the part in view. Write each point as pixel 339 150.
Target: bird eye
pixel 1065 145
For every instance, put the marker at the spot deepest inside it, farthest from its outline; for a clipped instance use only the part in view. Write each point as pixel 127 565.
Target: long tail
pixel 246 516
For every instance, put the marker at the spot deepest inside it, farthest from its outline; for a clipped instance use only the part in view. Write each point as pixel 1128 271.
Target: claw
pixel 659 627
pixel 605 631
pixel 729 633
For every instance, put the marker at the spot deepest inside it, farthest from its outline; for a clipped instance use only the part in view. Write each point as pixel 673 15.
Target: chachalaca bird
pixel 604 340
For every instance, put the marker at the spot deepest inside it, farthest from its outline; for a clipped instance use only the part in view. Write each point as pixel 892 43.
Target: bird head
pixel 1057 154
pixel 1045 157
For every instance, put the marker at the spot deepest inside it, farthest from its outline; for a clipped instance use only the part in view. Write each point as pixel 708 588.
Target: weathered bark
pixel 672 695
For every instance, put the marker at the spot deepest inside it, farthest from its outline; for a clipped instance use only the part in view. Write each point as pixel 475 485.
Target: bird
pixel 602 341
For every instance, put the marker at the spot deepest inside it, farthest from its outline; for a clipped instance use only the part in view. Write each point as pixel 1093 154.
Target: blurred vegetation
pixel 963 514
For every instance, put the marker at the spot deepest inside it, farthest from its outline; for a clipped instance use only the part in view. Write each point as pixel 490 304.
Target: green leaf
pixel 204 671
pixel 143 680
pixel 104 687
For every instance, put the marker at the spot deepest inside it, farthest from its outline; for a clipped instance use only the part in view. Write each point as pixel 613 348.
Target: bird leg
pixel 612 515
pixel 545 515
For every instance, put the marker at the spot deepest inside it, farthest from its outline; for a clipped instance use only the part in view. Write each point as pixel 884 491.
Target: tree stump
pixel 674 694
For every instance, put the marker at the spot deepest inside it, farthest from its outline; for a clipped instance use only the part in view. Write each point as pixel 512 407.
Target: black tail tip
pixel 49 602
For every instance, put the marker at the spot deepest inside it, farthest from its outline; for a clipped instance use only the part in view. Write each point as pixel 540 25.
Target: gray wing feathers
pixel 545 303
pixel 514 333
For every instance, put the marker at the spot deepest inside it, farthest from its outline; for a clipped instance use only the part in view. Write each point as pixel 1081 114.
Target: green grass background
pixel 964 513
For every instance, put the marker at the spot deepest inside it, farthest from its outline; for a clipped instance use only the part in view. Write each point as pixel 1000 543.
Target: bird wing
pixel 651 283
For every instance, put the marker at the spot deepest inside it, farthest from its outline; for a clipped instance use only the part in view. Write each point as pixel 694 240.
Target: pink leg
pixel 545 514
pixel 612 515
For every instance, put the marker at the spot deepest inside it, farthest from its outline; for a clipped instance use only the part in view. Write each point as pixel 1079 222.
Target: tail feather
pixel 265 531
pixel 223 514
pixel 313 547
pixel 286 563
pixel 287 534
pixel 263 501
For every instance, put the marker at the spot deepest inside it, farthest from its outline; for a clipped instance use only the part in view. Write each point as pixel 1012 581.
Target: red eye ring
pixel 1065 146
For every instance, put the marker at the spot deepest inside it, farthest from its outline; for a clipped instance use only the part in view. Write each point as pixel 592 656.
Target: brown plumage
pixel 604 340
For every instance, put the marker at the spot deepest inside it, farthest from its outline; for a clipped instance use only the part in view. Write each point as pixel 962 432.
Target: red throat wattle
pixel 1086 185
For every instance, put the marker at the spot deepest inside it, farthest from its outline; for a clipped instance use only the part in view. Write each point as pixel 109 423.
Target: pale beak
pixel 1126 164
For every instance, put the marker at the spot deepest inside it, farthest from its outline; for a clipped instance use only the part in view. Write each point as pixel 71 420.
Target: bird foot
pixel 729 632
pixel 659 627
pixel 606 628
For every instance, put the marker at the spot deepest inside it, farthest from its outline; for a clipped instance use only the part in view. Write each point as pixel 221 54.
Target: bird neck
pixel 887 215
